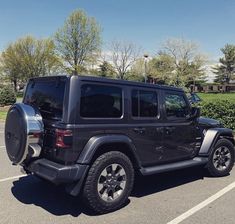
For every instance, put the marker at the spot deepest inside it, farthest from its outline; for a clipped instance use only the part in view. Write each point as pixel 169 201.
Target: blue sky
pixel 210 23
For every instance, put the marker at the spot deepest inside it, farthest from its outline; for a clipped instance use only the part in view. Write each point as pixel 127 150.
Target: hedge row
pixel 7 96
pixel 222 110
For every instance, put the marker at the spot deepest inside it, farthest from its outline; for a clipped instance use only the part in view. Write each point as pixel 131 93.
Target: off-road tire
pixel 213 171
pixel 90 192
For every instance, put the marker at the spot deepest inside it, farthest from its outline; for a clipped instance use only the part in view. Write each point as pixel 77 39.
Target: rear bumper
pixel 57 173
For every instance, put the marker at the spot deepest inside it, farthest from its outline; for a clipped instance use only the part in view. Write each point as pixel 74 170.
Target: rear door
pixel 145 125
pixel 179 138
pixel 47 95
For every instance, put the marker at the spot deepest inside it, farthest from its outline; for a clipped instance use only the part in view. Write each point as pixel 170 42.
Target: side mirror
pixel 195 112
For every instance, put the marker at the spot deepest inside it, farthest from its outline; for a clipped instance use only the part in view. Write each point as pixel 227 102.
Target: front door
pixel 179 138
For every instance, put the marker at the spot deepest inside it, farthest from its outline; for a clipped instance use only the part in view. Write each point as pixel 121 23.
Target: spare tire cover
pixel 22 122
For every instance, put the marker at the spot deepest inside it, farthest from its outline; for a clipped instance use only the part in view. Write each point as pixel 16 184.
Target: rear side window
pixel 176 106
pixel 47 96
pixel 100 101
pixel 144 103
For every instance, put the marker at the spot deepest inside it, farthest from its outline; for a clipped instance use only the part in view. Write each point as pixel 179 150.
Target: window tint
pixel 144 103
pixel 176 106
pixel 47 96
pixel 99 101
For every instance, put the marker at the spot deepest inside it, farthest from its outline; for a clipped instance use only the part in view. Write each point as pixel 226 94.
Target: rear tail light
pixel 63 138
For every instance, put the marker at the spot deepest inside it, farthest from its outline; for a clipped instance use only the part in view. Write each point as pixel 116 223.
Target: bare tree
pixel 123 56
pixel 185 54
pixel 180 49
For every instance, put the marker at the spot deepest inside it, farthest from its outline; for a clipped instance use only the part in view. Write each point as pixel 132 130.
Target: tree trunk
pixel 75 72
pixel 15 85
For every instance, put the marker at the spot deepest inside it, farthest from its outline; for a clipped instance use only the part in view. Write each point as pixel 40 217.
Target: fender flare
pixel 95 142
pixel 211 137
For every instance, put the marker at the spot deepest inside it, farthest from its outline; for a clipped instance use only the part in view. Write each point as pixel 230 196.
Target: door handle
pixel 139 130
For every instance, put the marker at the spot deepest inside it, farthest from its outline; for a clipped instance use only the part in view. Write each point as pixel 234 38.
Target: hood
pixel 209 122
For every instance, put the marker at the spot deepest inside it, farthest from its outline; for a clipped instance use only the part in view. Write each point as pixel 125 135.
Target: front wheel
pixel 221 159
pixel 109 182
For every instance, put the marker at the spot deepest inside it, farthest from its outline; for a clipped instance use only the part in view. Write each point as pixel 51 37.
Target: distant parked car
pixel 194 98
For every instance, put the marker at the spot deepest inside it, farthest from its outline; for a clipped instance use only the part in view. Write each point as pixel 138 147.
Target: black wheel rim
pixel 222 158
pixel 111 182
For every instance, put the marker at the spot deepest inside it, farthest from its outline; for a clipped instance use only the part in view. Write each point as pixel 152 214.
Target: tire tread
pixel 210 167
pixel 89 197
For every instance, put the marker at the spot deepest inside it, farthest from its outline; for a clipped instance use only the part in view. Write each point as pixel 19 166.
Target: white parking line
pixel 12 178
pixel 202 204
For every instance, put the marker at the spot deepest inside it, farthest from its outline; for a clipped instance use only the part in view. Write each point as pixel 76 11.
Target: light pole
pixel 145 67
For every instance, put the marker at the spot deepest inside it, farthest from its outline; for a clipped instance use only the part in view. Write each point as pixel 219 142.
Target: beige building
pixel 215 88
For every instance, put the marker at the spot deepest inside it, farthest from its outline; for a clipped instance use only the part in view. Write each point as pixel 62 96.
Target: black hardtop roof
pixel 126 82
pixel 110 81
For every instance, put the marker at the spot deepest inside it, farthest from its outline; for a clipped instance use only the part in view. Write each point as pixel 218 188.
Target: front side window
pixel 144 103
pixel 176 106
pixel 100 101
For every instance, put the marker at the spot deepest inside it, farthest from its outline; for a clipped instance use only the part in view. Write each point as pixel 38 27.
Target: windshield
pixel 47 95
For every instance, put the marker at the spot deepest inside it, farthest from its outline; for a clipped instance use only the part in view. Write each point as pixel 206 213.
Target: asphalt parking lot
pixel 186 196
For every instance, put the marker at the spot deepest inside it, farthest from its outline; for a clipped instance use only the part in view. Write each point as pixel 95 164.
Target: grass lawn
pixel 217 96
pixel 3 110
pixel 19 99
pixel 3 113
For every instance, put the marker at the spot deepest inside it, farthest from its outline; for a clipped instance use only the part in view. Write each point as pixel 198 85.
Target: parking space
pixel 220 211
pixel 155 199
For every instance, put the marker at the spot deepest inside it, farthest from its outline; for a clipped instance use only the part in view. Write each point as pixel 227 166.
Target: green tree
pixel 196 72
pixel 29 57
pixel 225 71
pixel 137 71
pixel 161 68
pixel 106 70
pixel 10 64
pixel 77 41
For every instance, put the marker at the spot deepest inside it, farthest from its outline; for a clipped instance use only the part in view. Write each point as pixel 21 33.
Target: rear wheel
pixel 221 159
pixel 109 182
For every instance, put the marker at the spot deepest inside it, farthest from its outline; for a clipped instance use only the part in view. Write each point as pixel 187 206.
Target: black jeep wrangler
pixel 93 134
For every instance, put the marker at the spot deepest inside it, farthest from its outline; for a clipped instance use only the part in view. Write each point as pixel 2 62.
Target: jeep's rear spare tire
pixel 23 127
